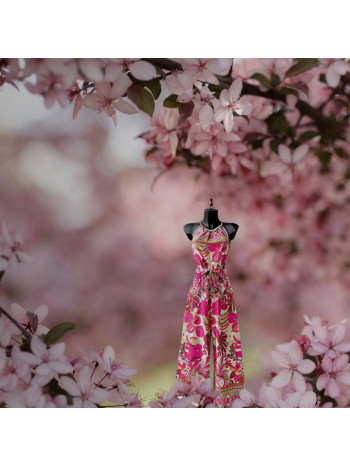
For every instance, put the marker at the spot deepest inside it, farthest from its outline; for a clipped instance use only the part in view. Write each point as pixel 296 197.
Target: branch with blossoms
pixel 234 117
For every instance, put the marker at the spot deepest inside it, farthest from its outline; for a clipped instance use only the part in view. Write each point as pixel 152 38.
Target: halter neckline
pixel 211 229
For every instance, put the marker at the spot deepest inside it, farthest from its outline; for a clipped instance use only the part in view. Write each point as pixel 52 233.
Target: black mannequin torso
pixel 211 221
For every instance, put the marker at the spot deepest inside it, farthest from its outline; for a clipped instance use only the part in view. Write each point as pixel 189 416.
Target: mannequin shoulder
pixel 231 229
pixel 190 228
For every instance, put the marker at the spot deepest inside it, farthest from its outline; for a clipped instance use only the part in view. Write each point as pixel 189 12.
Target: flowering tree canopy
pixel 243 117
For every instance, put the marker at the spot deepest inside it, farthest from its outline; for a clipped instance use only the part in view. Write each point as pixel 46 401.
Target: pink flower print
pixel 291 365
pixel 334 374
pixel 232 317
pixel 194 354
pixel 188 318
pixel 190 328
pixel 200 331
pixel 214 247
pixel 203 308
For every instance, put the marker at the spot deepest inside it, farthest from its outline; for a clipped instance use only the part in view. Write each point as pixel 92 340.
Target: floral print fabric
pixel 210 316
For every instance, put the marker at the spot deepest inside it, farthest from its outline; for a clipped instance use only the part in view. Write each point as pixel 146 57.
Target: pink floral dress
pixel 210 313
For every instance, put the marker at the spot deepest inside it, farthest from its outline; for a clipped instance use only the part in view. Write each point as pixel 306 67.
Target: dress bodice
pixel 210 247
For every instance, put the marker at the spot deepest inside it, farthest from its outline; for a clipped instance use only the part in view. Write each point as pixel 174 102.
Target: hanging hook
pixel 211 203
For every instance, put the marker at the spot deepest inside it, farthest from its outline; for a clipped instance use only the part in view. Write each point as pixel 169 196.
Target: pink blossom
pixel 13 369
pixel 52 87
pixel 29 398
pixel 335 70
pixel 110 365
pixel 230 103
pixel 82 390
pixel 11 251
pixel 334 374
pixel 108 98
pixel 291 365
pixel 181 84
pixel 204 69
pixel 48 361
pixel 214 141
pixel 249 399
pixel 287 163
pixel 329 342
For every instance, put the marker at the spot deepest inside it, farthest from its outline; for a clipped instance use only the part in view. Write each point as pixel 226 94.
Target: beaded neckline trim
pixel 211 229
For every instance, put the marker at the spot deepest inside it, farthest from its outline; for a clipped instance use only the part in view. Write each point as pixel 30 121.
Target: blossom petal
pixel 281 380
pixel 300 152
pixel 285 153
pixel 57 350
pixel 299 382
pixel 308 400
pixel 340 362
pixel 70 386
pixel 306 366
pixel 344 377
pixel 338 333
pixel 332 77
pixel 295 353
pixel 108 355
pixel 333 388
pixel 38 347
pixel 243 108
pixel 206 116
pixel 142 70
pixel 322 381
pixel 235 89
pixel 61 367
pixel 120 87
pixel 125 107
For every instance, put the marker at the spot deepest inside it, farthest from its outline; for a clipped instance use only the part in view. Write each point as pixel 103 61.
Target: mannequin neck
pixel 210 218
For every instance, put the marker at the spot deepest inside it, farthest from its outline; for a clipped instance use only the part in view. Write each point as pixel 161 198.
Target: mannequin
pixel 211 221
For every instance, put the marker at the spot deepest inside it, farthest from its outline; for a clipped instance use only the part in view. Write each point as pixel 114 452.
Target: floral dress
pixel 211 317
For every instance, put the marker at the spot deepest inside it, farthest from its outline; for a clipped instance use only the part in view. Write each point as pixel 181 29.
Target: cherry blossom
pixel 11 250
pixel 48 361
pixel 214 141
pixel 84 394
pixel 291 366
pixel 287 163
pixel 110 365
pixel 335 70
pixel 229 103
pixel 202 69
pixel 109 98
pixel 329 343
pixel 335 372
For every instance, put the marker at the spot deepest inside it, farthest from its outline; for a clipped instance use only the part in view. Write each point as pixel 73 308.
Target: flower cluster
pixel 242 117
pixel 313 370
pixel 196 395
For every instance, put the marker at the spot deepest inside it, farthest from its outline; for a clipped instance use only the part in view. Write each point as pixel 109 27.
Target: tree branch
pixel 165 63
pixel 23 331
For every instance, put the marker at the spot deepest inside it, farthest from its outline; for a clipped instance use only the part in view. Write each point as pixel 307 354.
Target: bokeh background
pixel 111 254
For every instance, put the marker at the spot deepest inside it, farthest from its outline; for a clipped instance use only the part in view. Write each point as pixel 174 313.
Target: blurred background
pixel 111 254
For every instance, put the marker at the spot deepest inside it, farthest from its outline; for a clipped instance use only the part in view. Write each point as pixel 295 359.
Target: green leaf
pixel 275 80
pixel 302 65
pixel 57 332
pixel 340 152
pixel 289 90
pixel 301 87
pixel 263 80
pixel 171 101
pixel 142 98
pixel 155 87
pixel 307 135
pixel 324 156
